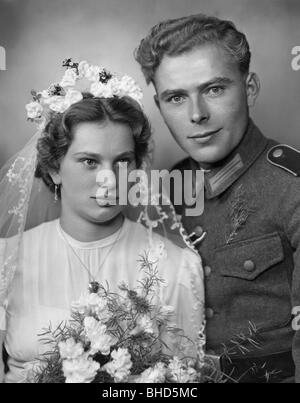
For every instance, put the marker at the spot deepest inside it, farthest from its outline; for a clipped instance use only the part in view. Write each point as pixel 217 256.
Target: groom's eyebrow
pixel 202 87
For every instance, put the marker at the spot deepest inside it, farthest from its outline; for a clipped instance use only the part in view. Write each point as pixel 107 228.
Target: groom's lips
pixel 203 135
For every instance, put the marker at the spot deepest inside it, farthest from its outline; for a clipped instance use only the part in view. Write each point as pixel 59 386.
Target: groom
pixel 249 233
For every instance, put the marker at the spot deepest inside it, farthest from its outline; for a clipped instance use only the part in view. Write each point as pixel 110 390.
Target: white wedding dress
pixel 51 276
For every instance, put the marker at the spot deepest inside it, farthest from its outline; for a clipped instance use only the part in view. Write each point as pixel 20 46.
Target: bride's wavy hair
pixel 58 133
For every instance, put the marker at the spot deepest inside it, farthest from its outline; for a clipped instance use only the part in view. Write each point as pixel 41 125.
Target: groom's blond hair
pixel 181 35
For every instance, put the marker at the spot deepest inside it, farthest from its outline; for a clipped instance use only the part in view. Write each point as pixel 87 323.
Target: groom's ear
pixel 156 101
pixel 252 88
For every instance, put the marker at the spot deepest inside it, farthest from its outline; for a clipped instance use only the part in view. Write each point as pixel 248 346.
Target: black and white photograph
pixel 149 194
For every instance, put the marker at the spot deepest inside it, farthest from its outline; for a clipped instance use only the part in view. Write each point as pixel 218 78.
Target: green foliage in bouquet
pixel 129 337
pixel 120 337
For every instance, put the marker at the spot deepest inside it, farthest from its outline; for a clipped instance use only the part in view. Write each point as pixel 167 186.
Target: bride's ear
pixel 55 176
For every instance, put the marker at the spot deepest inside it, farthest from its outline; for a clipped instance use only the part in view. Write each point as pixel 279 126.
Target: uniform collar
pixel 224 174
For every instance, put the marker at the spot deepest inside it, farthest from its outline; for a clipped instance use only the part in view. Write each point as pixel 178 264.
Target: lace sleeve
pixel 193 300
pixel 186 295
pixel 3 288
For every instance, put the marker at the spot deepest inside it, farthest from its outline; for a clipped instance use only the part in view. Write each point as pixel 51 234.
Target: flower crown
pixel 58 97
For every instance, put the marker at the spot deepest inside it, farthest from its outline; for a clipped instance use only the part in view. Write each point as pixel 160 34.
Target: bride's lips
pixel 106 202
pixel 203 137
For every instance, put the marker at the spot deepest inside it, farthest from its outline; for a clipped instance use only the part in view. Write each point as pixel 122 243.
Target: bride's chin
pixel 108 215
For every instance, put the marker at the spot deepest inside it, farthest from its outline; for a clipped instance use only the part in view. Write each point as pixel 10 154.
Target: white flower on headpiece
pixel 101 90
pixel 60 96
pixel 83 68
pixel 34 110
pixel 60 104
pixel 69 79
pixel 56 103
pixel 44 94
pixel 72 96
pixel 126 86
pixel 92 73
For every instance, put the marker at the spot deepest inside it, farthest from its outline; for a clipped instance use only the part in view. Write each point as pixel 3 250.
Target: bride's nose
pixel 106 178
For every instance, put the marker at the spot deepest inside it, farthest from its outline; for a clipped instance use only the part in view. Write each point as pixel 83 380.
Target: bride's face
pixel 96 149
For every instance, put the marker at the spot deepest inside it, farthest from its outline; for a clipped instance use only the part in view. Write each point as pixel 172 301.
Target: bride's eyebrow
pixel 91 154
pixel 128 153
pixel 87 154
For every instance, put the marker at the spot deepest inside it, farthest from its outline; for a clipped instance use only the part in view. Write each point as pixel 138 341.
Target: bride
pixel 47 263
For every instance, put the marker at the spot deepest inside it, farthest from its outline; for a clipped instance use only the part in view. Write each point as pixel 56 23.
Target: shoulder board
pixel 285 157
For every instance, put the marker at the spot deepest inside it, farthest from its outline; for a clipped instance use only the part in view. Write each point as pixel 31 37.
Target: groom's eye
pixel 215 91
pixel 176 99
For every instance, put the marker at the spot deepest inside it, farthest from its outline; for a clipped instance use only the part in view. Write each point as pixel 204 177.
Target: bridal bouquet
pixel 120 337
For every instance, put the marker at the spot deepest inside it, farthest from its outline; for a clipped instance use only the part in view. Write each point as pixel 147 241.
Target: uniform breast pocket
pixel 255 281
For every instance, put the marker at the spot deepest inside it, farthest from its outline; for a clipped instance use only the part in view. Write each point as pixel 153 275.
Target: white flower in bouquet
pixel 157 374
pixel 181 372
pixel 119 367
pixel 82 369
pixel 145 323
pixel 124 337
pixel 93 304
pixel 69 349
pixel 69 79
pixel 34 110
pixel 96 332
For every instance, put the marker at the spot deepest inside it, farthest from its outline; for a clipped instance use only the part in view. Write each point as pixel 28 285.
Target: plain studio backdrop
pixel 38 34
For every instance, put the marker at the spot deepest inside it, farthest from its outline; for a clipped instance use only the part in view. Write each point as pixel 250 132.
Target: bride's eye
pixel 124 162
pixel 89 163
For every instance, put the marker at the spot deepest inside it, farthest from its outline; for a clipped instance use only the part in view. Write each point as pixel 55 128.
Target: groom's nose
pixel 199 111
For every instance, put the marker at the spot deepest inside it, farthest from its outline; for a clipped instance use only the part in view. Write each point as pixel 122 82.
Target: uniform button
pixel 198 230
pixel 209 313
pixel 277 153
pixel 249 265
pixel 207 271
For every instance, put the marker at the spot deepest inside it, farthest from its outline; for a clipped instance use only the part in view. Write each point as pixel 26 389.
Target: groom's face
pixel 204 99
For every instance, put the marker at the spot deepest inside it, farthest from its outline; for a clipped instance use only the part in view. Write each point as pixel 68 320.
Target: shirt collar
pixel 224 174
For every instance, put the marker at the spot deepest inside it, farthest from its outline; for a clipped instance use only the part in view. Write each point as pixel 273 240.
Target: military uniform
pixel 249 240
